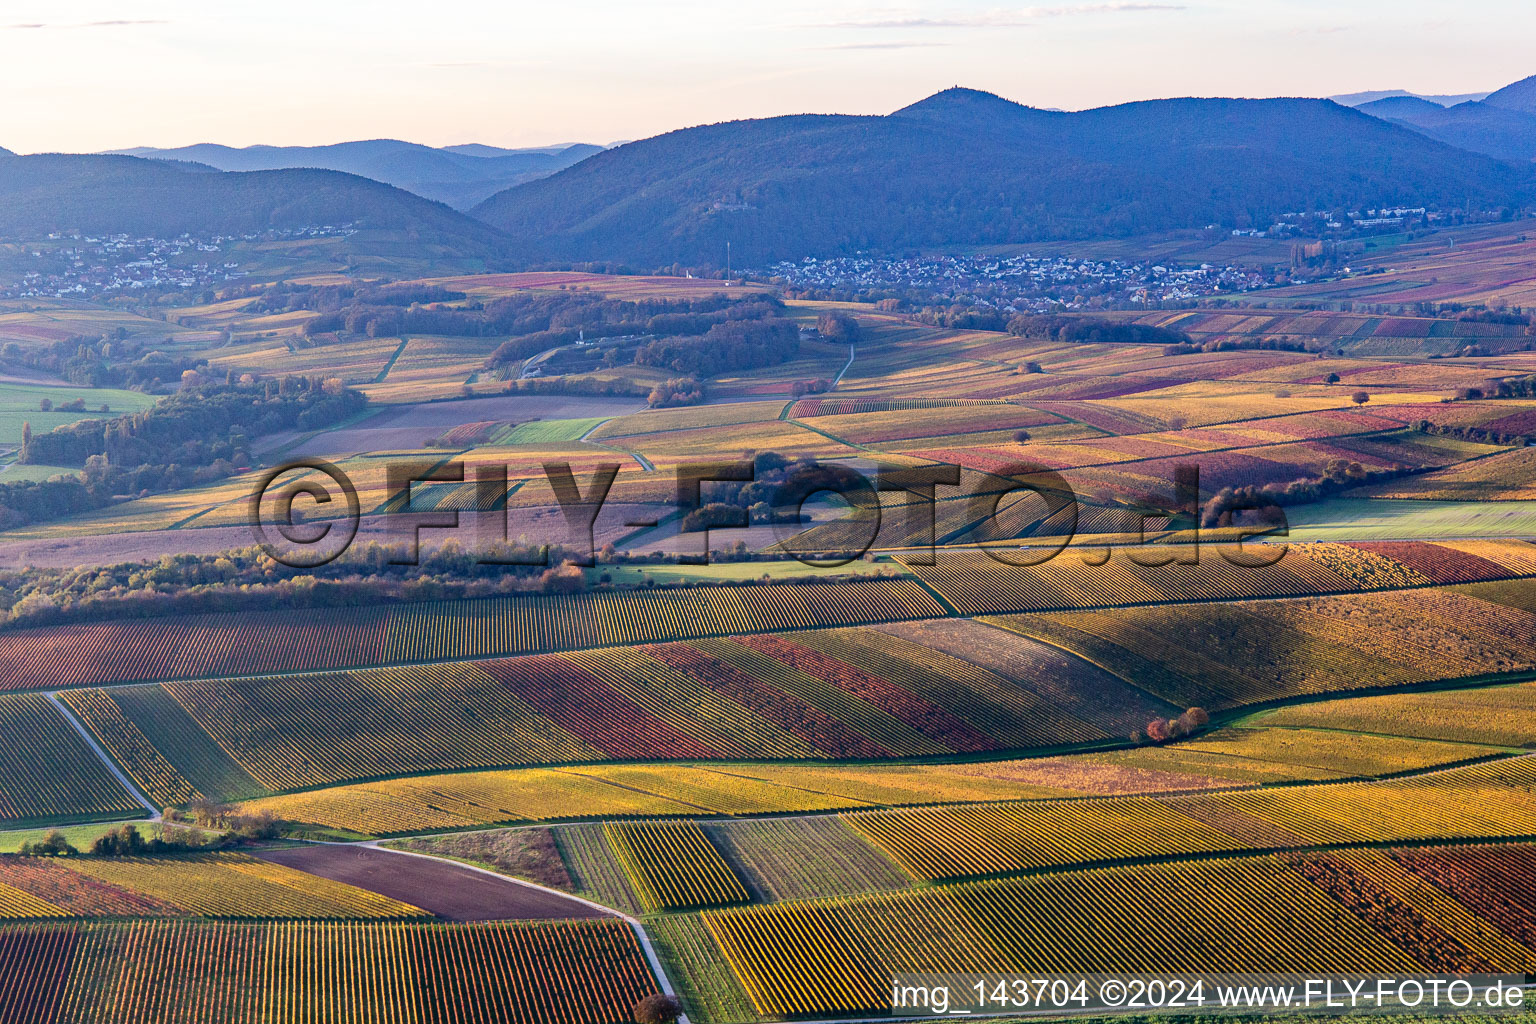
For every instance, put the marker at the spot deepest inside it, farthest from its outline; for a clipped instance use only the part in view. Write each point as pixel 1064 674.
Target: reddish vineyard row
pixel 181 647
pixel 585 972
pixel 825 694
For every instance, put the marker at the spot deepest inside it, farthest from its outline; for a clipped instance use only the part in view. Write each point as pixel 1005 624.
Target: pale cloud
pixel 1322 30
pixel 893 45
pixel 114 23
pixel 1002 18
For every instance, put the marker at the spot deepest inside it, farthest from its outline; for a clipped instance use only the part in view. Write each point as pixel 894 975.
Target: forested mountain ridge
pixel 121 194
pixel 460 176
pixel 964 167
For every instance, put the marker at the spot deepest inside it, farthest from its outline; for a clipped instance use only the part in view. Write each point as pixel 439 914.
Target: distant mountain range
pixel 968 168
pixel 1355 99
pixel 460 176
pixel 123 194
pixel 960 168
pixel 1501 124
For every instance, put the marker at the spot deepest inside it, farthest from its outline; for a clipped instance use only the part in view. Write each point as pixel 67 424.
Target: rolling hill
pixel 460 176
pixel 1503 125
pixel 965 168
pixel 122 194
pixel 1357 99
pixel 1478 127
pixel 1519 96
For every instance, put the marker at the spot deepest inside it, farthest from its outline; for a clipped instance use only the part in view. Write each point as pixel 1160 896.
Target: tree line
pixel 110 361
pixel 195 436
pixel 1093 330
pixel 727 346
pixel 198 425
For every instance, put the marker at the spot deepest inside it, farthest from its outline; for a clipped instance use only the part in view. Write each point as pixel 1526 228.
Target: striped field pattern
pixel 75 784
pixel 1487 800
pixel 187 972
pixel 178 647
pixel 673 865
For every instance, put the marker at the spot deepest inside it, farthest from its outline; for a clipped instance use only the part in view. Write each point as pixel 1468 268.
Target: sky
pixel 90 75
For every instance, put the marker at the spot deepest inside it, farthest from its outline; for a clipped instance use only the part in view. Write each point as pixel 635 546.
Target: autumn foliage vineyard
pixel 584 972
pixel 971 582
pixel 673 865
pixel 1001 683
pixel 789 785
pixel 1348 912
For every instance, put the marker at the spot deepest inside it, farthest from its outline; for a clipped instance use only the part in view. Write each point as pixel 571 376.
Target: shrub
pixel 122 842
pixel 658 1009
pixel 52 845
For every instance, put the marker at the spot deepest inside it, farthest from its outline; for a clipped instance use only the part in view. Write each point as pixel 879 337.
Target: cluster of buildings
pixel 1024 284
pixel 89 266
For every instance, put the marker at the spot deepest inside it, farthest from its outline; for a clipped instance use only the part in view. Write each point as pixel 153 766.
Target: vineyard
pixel 1502 715
pixel 976 584
pixel 1492 799
pixel 790 696
pixel 215 885
pixel 582 972
pixel 279 641
pixel 1220 759
pixel 74 782
pixel 1406 911
pixel 801 782
pixel 1221 655
pixel 673 865
pixel 803 858
pixel 130 748
pixel 837 956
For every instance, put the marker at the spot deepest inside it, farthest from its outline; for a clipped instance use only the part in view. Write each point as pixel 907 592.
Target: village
pixel 85 266
pixel 1020 284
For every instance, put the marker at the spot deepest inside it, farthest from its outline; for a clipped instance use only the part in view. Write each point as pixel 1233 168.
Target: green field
pixel 785 568
pixel 1343 519
pixel 548 431
pixel 21 403
pixel 17 473
pixel 79 836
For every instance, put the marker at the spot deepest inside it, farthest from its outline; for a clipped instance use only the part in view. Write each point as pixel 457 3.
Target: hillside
pixel 112 194
pixel 1519 96
pixel 1502 132
pixel 460 176
pixel 1359 99
pixel 964 167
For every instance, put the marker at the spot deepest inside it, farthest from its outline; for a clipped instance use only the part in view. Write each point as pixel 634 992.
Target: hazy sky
pixel 80 75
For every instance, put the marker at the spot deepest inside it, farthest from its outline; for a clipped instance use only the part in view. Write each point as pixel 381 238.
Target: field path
pixel 449 890
pixel 662 980
pixel 85 734
pixel 839 378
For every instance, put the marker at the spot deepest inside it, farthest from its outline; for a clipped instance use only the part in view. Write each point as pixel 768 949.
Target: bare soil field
pixel 544 524
pixel 450 891
pixel 412 426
